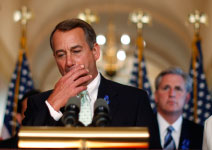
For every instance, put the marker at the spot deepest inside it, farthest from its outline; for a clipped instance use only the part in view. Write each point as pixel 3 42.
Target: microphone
pixel 71 114
pixel 101 113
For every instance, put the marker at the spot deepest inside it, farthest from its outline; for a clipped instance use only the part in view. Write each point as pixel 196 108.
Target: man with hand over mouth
pixel 75 50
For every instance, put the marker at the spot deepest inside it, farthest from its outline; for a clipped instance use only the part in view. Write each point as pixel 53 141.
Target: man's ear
pixel 188 96
pixel 156 98
pixel 53 53
pixel 96 51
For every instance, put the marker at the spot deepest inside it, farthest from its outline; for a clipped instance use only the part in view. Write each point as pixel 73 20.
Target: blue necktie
pixel 85 109
pixel 169 141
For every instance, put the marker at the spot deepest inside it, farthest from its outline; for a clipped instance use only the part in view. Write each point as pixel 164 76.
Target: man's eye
pixel 60 55
pixel 76 51
pixel 178 88
pixel 165 87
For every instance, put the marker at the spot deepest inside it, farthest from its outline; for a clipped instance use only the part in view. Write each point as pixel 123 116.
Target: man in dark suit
pixel 173 131
pixel 75 50
pixel 12 142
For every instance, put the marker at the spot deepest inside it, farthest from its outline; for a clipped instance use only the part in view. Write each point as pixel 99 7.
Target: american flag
pixel 145 84
pixel 21 82
pixel 203 97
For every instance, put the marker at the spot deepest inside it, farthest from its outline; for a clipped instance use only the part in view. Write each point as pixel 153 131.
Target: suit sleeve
pixel 37 114
pixel 145 113
pixel 146 118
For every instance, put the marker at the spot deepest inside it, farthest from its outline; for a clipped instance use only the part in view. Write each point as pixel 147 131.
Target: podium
pixel 83 137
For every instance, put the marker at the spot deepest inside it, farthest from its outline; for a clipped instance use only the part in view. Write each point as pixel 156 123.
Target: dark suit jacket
pixel 128 106
pixel 190 138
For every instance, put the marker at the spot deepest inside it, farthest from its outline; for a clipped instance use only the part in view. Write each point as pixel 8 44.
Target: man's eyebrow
pixel 72 48
pixel 178 86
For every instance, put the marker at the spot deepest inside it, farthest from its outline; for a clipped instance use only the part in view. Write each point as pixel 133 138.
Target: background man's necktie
pixel 169 141
pixel 85 109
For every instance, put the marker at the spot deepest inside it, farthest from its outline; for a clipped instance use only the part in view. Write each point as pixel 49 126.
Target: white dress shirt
pixel 207 137
pixel 163 125
pixel 92 89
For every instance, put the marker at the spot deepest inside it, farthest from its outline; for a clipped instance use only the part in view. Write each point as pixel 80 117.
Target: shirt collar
pixel 92 87
pixel 177 124
pixel 163 124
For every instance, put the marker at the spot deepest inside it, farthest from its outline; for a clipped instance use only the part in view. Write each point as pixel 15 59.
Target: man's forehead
pixel 172 79
pixel 77 31
pixel 73 37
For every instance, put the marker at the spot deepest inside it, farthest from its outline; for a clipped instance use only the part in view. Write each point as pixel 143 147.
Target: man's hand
pixel 69 85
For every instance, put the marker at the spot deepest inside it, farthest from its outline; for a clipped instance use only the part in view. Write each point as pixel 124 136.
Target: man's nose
pixel 69 63
pixel 172 92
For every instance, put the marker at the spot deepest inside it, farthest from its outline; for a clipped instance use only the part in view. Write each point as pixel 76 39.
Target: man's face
pixel 171 95
pixel 71 48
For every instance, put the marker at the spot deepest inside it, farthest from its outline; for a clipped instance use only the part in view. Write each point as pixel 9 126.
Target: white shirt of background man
pixel 163 125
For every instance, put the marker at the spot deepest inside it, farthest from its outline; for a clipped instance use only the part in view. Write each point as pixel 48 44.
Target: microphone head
pixel 100 102
pixel 101 113
pixel 73 101
pixel 72 108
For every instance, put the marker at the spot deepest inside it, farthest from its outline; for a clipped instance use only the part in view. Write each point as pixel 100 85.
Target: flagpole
pixel 194 57
pixel 20 58
pixel 139 18
pixel 140 46
pixel 196 19
pixel 23 16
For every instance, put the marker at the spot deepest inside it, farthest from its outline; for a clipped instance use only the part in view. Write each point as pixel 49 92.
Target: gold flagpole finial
pixel 88 16
pixel 23 16
pixel 197 18
pixel 140 18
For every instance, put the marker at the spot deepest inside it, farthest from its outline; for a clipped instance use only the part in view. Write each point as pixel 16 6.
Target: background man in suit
pixel 75 50
pixel 22 105
pixel 172 93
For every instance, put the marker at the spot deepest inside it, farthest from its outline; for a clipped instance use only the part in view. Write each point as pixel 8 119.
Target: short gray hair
pixel 176 71
pixel 73 23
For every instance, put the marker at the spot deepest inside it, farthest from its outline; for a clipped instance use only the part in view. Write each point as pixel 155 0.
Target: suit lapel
pixel 109 93
pixel 156 138
pixel 184 135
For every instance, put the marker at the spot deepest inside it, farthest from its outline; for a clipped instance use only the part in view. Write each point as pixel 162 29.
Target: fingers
pixel 77 76
pixel 71 84
pixel 82 81
pixel 71 71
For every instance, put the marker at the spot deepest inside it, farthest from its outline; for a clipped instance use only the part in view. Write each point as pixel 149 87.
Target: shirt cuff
pixel 55 115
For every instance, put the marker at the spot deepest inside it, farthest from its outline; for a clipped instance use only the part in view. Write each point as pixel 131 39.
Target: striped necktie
pixel 169 141
pixel 85 109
